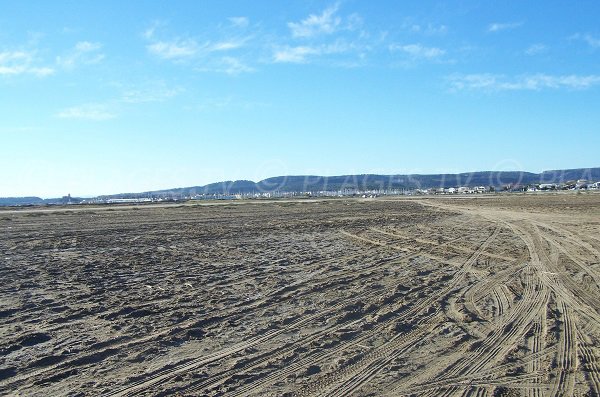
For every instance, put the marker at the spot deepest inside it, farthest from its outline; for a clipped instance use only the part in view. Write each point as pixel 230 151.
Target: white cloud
pixel 234 66
pixel 429 29
pixel 16 70
pixel 92 112
pixel 228 65
pixel 227 45
pixel 326 34
pixel 214 103
pixel 179 49
pixel 227 102
pixel 155 92
pixel 173 49
pixel 86 46
pixel 353 22
pixel 301 54
pixel 21 62
pixel 325 23
pixel 240 22
pixel 537 82
pixel 149 33
pixel 536 49
pixel 497 27
pixel 9 56
pixel 294 54
pixel 151 91
pixel 84 52
pixel 592 41
pixel 418 51
pixel 205 54
pixel 228 51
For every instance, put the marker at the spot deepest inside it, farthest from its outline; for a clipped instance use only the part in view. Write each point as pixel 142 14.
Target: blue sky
pixel 106 97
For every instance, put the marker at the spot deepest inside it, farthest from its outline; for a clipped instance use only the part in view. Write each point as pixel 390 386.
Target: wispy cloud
pixel 227 103
pixel 498 27
pixel 21 62
pixel 227 45
pixel 174 49
pixel 194 50
pixel 325 23
pixel 429 29
pixel 91 112
pixel 153 92
pixel 189 48
pixel 302 54
pixel 297 54
pixel 418 51
pixel 536 49
pixel 234 66
pixel 84 52
pixel 86 46
pixel 592 41
pixel 240 22
pixel 130 96
pixel 148 34
pixel 232 49
pixel 537 82
pixel 228 64
pixel 206 57
pixel 213 103
pixel 327 37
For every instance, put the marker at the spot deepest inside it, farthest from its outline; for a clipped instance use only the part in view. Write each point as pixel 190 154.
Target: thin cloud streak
pixel 592 41
pixel 297 54
pixel 227 45
pixel 228 64
pixel 429 29
pixel 84 52
pixel 325 23
pixel 418 51
pixel 173 49
pixel 90 112
pixel 153 93
pixel 130 96
pixel 14 63
pixel 240 22
pixel 302 54
pixel 209 55
pixel 498 27
pixel 492 82
pixel 536 49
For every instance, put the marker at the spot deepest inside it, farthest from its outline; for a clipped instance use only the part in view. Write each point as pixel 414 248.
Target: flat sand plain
pixel 445 296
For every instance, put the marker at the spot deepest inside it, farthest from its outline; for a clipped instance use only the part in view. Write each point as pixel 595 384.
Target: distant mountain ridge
pixel 314 183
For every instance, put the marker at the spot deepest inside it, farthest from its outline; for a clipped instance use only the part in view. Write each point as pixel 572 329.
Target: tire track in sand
pixel 351 379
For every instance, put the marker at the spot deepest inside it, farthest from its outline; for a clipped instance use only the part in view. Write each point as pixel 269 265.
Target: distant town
pixel 363 185
pixel 579 185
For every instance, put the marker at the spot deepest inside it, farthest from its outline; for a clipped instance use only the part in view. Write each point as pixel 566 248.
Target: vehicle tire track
pixel 348 375
pixel 566 356
pixel 591 364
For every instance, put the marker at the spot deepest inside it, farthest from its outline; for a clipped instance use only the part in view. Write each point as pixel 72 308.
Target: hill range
pixel 313 183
